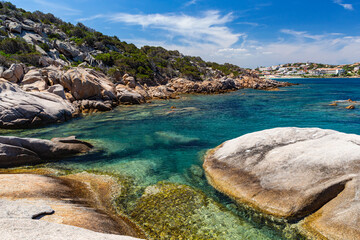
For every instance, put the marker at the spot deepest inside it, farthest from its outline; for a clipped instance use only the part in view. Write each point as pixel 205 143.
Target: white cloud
pixel 90 18
pixel 55 7
pixel 331 48
pixel 208 28
pixel 191 2
pixel 344 5
pixel 253 24
pixel 208 36
pixel 302 34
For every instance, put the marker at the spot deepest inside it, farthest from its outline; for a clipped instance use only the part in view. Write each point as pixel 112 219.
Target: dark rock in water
pixel 292 173
pixel 350 107
pixel 15 151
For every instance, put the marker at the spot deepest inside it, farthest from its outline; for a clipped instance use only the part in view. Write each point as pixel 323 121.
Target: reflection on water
pixel 166 140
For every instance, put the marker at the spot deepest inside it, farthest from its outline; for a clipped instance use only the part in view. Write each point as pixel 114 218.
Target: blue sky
pixel 248 33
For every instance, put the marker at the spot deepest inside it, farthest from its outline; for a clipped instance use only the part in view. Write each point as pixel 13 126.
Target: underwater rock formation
pixel 15 151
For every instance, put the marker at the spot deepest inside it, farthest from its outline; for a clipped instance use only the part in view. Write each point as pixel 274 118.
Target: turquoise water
pixel 153 142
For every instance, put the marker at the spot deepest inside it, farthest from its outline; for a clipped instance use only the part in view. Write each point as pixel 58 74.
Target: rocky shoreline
pixel 47 95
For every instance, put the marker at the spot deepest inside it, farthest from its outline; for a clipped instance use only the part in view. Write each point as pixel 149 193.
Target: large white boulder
pixel 22 109
pixel 292 173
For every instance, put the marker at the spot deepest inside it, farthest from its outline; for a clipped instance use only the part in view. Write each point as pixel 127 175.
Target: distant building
pixel 356 69
pixel 331 71
pixel 265 69
pixel 314 72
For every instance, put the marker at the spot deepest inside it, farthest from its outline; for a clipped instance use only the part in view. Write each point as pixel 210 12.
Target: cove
pixel 164 141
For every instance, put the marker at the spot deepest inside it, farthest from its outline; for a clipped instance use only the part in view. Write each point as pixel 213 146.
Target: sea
pixel 166 140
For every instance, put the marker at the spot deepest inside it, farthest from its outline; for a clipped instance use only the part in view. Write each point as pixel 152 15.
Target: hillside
pixel 40 39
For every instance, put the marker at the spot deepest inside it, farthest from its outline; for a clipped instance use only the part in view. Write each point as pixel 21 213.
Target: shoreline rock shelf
pixel 48 95
pixel 308 175
pixel 44 207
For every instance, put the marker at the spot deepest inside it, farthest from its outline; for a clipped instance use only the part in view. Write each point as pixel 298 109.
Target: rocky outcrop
pixel 126 95
pixel 16 151
pixel 42 207
pixel 92 106
pixel 222 85
pixel 181 85
pixel 262 84
pixel 34 80
pixel 292 173
pixel 87 84
pixel 15 73
pixel 66 48
pixel 19 108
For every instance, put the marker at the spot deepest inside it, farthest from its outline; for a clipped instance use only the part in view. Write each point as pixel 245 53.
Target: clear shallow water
pixel 153 142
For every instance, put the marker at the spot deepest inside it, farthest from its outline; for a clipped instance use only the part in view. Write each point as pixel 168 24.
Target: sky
pixel 248 33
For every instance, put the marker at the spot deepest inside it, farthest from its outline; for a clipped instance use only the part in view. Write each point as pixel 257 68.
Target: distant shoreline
pixel 275 78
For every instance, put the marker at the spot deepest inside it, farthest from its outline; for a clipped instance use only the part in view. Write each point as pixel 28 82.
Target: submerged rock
pixel 22 109
pixel 174 211
pixel 175 138
pixel 292 173
pixel 15 151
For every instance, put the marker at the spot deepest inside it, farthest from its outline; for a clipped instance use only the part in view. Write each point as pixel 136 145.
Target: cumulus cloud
pixel 328 48
pixel 207 35
pixel 344 5
pixel 209 28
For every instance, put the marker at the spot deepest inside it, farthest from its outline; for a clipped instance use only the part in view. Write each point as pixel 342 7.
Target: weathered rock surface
pixel 91 106
pixel 20 209
pixel 34 80
pixel 292 173
pixel 12 229
pixel 262 84
pixel 87 84
pixel 15 73
pixel 58 90
pixel 15 151
pixel 22 109
pixel 66 48
pixel 128 96
pixel 54 202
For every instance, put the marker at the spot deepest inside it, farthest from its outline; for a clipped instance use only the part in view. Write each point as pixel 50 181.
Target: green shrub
pixel 45 47
pixel 15 45
pixel 62 57
pixel 28 58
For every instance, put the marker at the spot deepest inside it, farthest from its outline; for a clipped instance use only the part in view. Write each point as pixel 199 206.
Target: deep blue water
pixel 153 142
